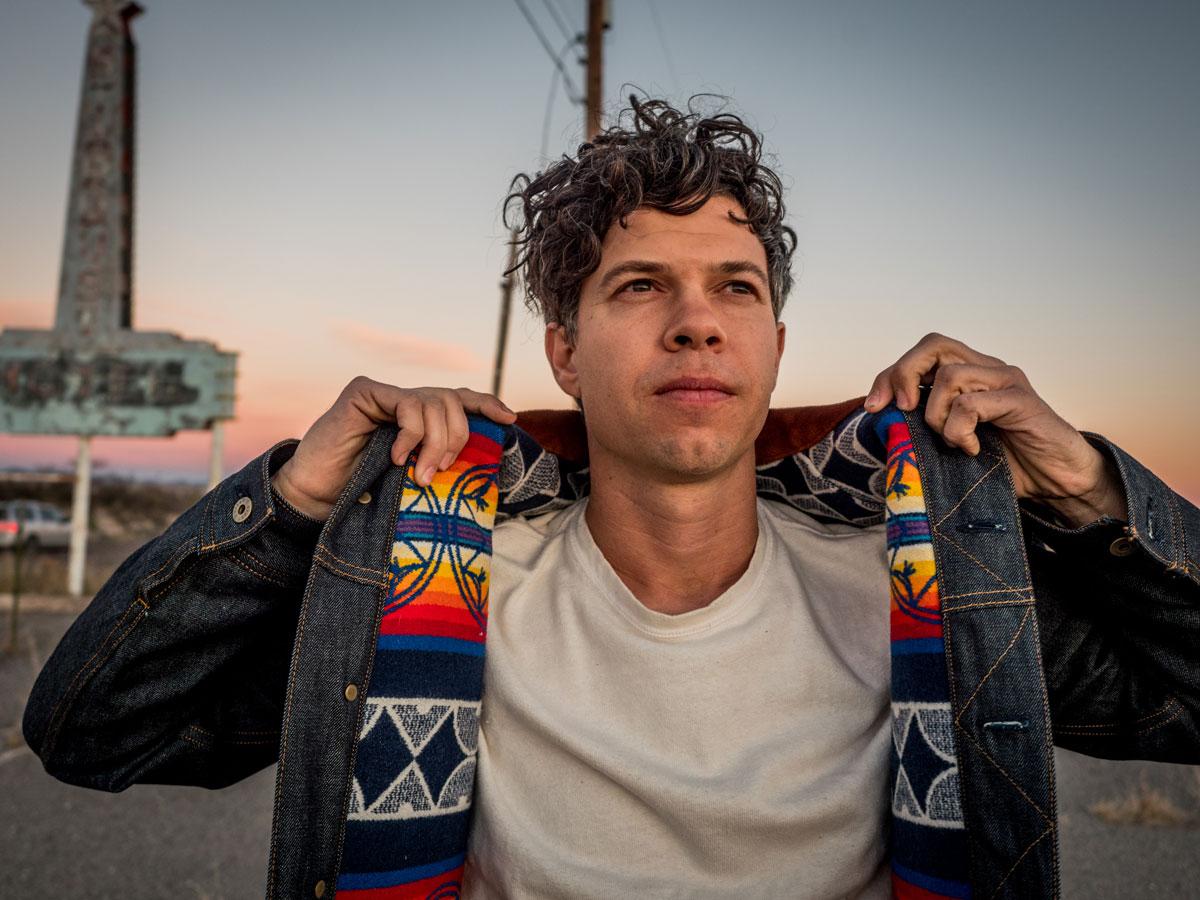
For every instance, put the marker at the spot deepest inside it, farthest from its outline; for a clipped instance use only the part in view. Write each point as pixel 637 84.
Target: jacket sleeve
pixel 1119 616
pixel 175 673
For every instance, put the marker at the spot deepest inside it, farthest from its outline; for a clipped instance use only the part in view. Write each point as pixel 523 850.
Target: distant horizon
pixel 319 190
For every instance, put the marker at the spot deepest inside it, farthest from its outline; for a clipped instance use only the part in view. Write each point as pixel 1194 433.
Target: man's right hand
pixel 315 476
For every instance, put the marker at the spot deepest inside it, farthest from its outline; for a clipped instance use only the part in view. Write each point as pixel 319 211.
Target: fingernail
pixel 901 400
pixel 504 406
pixel 872 399
pixel 446 461
pixel 427 475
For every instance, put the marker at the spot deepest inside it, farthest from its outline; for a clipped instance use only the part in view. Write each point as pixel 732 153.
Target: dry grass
pixel 1146 806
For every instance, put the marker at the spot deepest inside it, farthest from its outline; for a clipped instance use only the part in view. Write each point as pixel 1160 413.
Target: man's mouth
pixel 695 390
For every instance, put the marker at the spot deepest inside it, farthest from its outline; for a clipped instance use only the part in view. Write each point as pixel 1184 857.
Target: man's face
pixel 677 348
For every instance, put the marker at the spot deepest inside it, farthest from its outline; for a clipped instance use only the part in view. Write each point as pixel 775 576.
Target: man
pixel 688 689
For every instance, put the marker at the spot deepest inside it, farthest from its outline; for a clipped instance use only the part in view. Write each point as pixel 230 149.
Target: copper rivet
pixel 352 692
pixel 320 889
pixel 1122 546
pixel 241 510
pixel 365 498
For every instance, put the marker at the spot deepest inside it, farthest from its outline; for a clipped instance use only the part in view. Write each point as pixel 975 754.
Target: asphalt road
pixel 150 842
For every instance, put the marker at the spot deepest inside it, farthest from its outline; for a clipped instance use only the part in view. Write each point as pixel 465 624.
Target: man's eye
pixel 640 286
pixel 741 287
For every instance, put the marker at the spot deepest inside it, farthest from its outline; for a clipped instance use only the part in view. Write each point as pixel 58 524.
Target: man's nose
pixel 694 322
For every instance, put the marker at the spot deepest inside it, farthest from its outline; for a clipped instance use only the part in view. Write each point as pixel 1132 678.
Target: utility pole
pixel 506 291
pixel 598 20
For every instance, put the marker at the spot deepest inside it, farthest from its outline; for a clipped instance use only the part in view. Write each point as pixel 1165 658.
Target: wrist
pixel 1105 498
pixel 309 506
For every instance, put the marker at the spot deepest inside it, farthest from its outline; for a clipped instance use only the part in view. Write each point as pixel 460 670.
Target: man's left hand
pixel 1051 462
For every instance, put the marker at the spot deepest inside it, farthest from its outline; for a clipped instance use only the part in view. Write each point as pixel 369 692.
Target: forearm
pixel 176 670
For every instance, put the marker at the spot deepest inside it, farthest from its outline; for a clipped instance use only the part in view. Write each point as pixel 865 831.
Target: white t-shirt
pixel 738 750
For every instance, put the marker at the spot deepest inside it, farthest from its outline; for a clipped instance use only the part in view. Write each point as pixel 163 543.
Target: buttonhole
pixel 981 525
pixel 1007 725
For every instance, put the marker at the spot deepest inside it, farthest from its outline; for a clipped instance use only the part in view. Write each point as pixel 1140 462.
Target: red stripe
pixel 439 887
pixel 464 631
pixel 902 890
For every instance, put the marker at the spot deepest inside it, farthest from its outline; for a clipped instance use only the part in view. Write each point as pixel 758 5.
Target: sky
pixel 319 188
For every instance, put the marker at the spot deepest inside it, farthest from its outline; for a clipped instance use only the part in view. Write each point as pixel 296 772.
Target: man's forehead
pixel 708 228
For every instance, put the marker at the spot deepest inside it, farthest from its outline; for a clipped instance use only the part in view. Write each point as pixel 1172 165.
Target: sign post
pixel 93 374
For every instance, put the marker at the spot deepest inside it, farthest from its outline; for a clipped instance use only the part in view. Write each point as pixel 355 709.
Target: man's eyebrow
pixel 741 267
pixel 650 267
pixel 632 267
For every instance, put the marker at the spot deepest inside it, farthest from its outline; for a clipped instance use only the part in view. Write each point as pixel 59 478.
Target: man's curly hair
pixel 655 156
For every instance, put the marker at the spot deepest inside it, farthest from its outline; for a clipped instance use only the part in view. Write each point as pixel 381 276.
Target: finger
pixel 959 378
pixel 433 445
pixel 999 406
pixel 920 364
pixel 486 404
pixel 408 417
pixel 880 394
pixel 458 432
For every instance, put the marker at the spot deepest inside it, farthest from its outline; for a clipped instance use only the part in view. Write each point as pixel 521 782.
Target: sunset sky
pixel 319 189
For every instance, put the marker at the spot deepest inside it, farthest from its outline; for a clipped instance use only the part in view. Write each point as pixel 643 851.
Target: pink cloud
pixel 409 349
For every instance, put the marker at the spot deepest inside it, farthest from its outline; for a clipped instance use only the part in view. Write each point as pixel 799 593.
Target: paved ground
pixel 155 842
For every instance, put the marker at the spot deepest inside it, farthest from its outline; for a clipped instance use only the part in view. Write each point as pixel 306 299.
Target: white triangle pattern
pixel 417 721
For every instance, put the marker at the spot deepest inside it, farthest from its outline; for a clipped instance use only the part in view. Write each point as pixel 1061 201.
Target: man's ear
pixel 560 352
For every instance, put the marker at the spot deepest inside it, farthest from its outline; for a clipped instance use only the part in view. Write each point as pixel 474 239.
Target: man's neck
pixel 677 547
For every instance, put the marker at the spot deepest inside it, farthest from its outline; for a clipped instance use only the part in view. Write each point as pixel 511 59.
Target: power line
pixel 571 92
pixel 662 40
pixel 566 33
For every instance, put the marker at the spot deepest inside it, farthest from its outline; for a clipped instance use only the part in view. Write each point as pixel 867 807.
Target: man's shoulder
pixel 519 540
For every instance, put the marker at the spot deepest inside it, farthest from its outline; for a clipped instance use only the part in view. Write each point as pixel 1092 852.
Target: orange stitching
pixel 1052 785
pixel 337 856
pixel 287 717
pixel 94 669
pixel 379 582
pixel 1020 601
pixel 1003 772
pixel 254 560
pixel 333 555
pixel 1154 715
pixel 967 493
pixel 993 591
pixel 103 643
pixel 951 542
pixel 261 575
pixel 1117 731
pixel 178 575
pixel 192 740
pixel 1036 841
pixel 241 537
pixel 170 560
pixel 1000 659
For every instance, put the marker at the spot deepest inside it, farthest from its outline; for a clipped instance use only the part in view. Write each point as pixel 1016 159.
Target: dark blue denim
pixel 225 645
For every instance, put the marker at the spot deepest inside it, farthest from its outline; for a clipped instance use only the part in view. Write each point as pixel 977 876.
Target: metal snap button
pixel 319 890
pixel 241 510
pixel 1122 546
pixel 352 692
pixel 365 498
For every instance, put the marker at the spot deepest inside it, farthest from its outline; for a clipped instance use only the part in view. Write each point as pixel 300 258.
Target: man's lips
pixel 695 390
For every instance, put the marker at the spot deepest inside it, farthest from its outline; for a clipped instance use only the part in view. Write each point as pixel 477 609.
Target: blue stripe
pixel 356 881
pixel 429 642
pixel 487 428
pixel 917 645
pixel 928 882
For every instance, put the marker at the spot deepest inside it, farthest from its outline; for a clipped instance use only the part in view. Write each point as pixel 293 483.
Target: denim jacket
pixel 233 640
